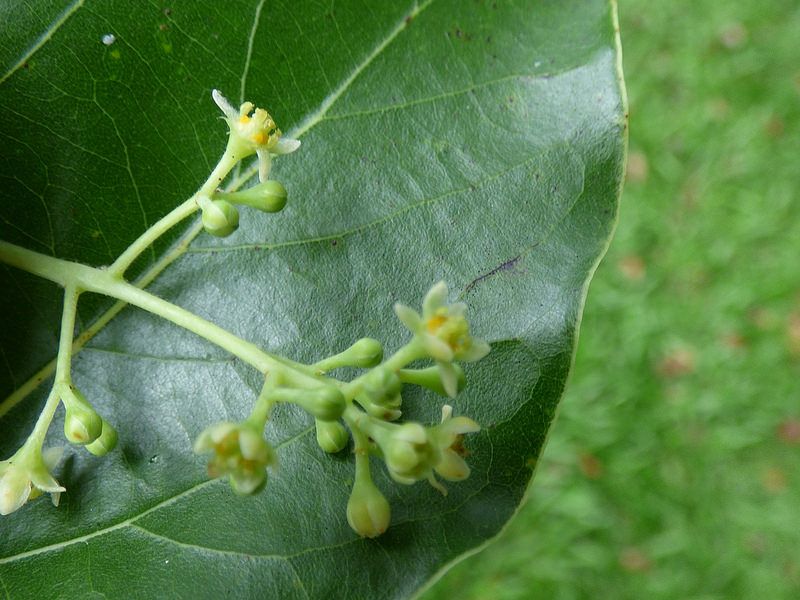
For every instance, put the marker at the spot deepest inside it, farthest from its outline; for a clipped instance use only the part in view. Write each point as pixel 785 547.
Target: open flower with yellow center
pixel 443 331
pixel 252 131
pixel 26 475
pixel 413 452
pixel 239 451
pixel 448 436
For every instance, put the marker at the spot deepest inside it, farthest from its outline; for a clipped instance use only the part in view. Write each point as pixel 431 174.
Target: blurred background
pixel 673 470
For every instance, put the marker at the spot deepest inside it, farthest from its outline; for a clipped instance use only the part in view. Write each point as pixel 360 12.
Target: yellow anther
pixel 435 322
pixel 244 119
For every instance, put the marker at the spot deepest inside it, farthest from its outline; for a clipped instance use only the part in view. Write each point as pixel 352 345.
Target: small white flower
pixel 239 451
pixel 444 332
pixel 448 434
pixel 252 131
pixel 26 475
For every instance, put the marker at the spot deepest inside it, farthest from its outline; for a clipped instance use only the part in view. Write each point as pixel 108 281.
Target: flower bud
pixel 239 451
pixel 431 378
pixel 368 510
pixel 380 411
pixel 269 196
pixel 365 353
pixel 332 437
pixel 408 452
pixel 105 443
pixel 382 386
pixel 15 488
pixel 82 424
pixel 325 403
pixel 220 218
pixel 246 484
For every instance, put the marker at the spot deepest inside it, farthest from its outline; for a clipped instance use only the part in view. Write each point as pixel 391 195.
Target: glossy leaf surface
pixel 479 143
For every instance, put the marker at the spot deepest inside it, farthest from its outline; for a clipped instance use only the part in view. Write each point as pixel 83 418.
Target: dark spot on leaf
pixel 167 12
pixel 506 266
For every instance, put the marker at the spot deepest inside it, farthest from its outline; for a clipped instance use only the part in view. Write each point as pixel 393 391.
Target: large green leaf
pixel 476 142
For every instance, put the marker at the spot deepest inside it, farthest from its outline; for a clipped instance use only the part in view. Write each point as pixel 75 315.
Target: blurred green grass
pixel 673 470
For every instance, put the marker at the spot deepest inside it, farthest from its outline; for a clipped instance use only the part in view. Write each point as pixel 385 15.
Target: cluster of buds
pixel 366 408
pixel 251 131
pixel 27 474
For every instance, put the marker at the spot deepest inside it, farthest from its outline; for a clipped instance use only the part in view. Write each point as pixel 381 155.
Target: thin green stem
pixel 260 413
pixel 361 451
pixel 175 216
pixel 104 282
pixel 159 228
pixel 405 355
pixel 64 359
pixel 62 377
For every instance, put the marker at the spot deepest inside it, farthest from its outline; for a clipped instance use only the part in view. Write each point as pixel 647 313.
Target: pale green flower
pixel 26 475
pixel 444 333
pixel 447 436
pixel 253 131
pixel 239 451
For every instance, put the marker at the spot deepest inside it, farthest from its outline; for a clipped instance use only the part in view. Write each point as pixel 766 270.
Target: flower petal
pixel 457 310
pixel 52 456
pixel 15 487
pixel 452 467
pixel 476 351
pixel 264 164
pixel 411 432
pixel 439 487
pixel 434 299
pixel 225 106
pixel 409 317
pixel 449 378
pixel 45 482
pixel 248 484
pixel 460 425
pixel 285 146
pixel 437 349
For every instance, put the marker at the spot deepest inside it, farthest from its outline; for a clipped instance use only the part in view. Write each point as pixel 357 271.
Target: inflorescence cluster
pixel 367 408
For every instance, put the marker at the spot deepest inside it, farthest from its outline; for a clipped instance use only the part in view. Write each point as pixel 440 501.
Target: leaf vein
pixel 44 38
pixel 312 119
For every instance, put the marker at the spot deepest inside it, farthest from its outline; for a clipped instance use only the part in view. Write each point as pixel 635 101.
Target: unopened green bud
pixel 82 424
pixel 431 378
pixel 408 452
pixel 325 403
pixel 106 442
pixel 246 484
pixel 382 386
pixel 368 510
pixel 269 196
pixel 385 412
pixel 365 353
pixel 332 437
pixel 220 218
